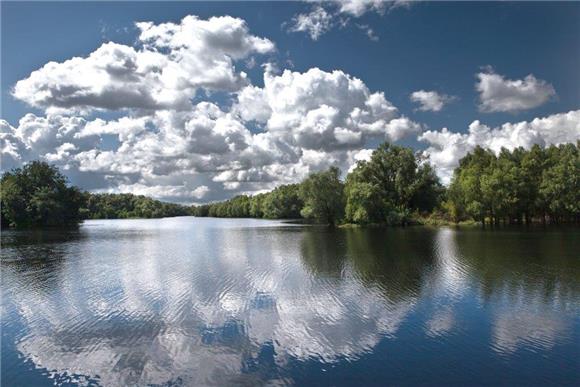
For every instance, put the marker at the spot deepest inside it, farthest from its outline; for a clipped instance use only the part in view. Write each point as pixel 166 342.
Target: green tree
pixel 284 202
pixel 466 184
pixel 388 187
pixel 38 195
pixel 256 206
pixel 518 184
pixel 560 186
pixel 322 194
pixel 532 165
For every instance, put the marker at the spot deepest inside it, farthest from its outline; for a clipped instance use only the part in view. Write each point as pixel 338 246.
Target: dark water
pixel 188 301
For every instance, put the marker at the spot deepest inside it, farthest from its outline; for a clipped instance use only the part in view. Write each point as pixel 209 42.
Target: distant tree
pixel 427 188
pixel 532 165
pixel 256 206
pixel 499 188
pixel 38 195
pixel 284 202
pixel 364 203
pixel 122 206
pixel 322 194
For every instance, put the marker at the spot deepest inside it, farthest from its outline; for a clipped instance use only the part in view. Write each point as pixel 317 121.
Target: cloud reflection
pixel 223 302
pixel 134 310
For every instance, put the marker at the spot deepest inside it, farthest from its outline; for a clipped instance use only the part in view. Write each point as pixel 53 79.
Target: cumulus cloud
pixel 13 150
pixel 161 191
pixel 361 155
pixel 324 110
pixel 446 148
pixel 430 100
pixel 499 94
pixel 304 122
pixel 174 61
pixel 170 148
pixel 165 145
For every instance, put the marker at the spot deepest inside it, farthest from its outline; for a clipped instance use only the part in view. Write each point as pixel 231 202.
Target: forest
pixel 395 187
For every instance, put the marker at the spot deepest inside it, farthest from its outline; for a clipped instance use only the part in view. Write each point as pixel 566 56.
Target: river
pixel 202 301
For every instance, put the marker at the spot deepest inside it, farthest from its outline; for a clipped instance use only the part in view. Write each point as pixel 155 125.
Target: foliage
pixel 517 185
pixel 391 185
pixel 122 206
pixel 283 202
pixel 395 187
pixel 38 195
pixel 323 196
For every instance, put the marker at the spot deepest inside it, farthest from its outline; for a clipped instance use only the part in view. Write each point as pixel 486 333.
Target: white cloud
pixel 430 100
pixel 13 151
pixel 170 192
pixel 317 22
pixel 357 8
pixel 369 31
pixel 310 121
pixel 498 94
pixel 329 110
pixel 447 148
pixel 253 104
pixel 200 191
pixel 325 16
pixel 175 60
pixel 167 147
pixel 361 155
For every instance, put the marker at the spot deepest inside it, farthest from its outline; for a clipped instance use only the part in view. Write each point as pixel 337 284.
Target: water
pixel 188 301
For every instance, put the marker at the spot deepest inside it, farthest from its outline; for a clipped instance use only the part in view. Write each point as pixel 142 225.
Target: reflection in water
pixel 214 302
pixel 533 282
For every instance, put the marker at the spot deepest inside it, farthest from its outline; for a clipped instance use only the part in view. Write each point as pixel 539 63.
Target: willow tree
pixel 322 194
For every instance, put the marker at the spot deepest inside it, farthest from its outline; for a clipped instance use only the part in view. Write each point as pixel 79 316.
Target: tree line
pixel 124 206
pixel 37 195
pixel 390 188
pixel 399 187
pixel 540 184
pixel 394 187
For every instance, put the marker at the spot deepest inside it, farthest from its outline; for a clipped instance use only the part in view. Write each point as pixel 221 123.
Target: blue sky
pixel 430 46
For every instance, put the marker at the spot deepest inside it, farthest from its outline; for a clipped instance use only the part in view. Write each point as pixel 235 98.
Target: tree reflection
pixel 395 260
pixel 541 262
pixel 323 250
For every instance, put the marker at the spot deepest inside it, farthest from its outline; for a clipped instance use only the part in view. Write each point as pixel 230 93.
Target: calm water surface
pixel 188 301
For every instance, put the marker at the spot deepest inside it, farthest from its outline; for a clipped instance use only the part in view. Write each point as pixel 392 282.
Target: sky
pixel 194 102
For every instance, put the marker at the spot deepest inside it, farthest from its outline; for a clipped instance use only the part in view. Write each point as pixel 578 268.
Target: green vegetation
pixel 284 202
pixel 391 186
pixel 37 195
pixel 122 206
pixel 395 187
pixel 398 187
pixel 539 184
pixel 323 197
